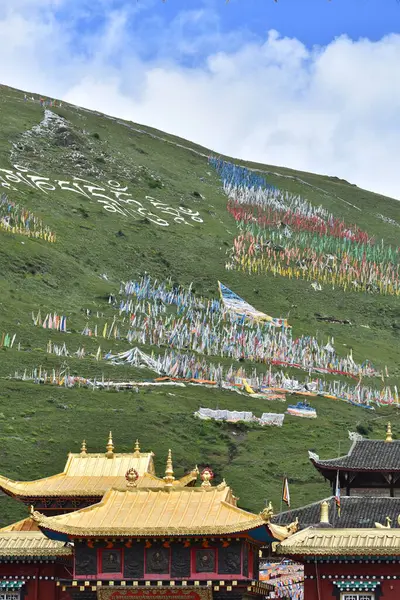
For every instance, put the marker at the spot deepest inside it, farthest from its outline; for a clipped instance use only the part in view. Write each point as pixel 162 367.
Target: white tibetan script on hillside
pixel 113 197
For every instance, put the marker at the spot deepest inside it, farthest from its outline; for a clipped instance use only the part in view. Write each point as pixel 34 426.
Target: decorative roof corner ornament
pixel 282 532
pixel 169 472
pixel 389 437
pixel 195 472
pixel 110 447
pixel 206 475
pixel 267 513
pixel 387 526
pixel 355 437
pixel 222 486
pixel 313 456
pixel 136 452
pixel 35 514
pixel 83 449
pixel 131 477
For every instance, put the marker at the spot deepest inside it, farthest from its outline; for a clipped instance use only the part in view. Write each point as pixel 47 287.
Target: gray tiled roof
pixel 371 455
pixel 356 511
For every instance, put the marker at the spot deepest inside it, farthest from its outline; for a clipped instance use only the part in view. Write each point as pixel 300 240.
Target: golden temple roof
pixel 25 525
pixel 88 474
pixel 341 542
pixel 24 538
pixel 152 512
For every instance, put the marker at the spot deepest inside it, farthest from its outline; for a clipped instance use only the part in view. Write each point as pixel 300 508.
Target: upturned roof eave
pixel 332 467
pixel 76 532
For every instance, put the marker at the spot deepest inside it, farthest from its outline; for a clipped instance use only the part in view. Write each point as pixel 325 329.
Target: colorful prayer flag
pixel 285 492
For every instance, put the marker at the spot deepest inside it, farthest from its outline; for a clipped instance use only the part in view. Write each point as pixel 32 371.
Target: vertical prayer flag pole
pixel 337 494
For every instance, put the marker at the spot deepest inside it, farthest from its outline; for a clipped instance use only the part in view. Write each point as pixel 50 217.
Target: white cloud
pixel 331 110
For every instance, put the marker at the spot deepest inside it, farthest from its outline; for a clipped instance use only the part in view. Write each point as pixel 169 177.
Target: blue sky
pixel 151 22
pixel 308 84
pixel 310 21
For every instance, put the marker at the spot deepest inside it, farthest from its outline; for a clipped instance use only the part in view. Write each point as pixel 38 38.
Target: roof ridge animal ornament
pixel 267 513
pixel 388 523
pixel 281 532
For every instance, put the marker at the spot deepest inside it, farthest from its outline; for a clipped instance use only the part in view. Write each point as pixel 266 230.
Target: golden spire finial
pixel 389 433
pixel 137 448
pixel 83 448
pixel 169 471
pixel 110 446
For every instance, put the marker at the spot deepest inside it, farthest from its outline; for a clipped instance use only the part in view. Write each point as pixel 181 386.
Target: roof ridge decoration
pixel 131 477
pixel 221 486
pixel 169 472
pixel 267 513
pixel 206 475
pixel 83 453
pixel 136 451
pixel 389 437
pixel 354 436
pixel 110 447
pixel 282 532
pixel 388 522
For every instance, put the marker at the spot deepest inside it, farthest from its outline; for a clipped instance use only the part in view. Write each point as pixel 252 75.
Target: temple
pixel 350 545
pixel 371 467
pixel 133 531
pixel 86 478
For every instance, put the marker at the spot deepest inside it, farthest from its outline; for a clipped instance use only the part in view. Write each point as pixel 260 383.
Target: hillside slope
pixel 68 168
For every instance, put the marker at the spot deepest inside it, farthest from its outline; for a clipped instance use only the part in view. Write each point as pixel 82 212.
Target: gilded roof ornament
pixel 110 447
pixel 137 449
pixel 282 532
pixel 131 477
pixel 387 526
pixel 324 513
pixel 206 475
pixel 389 433
pixel 83 448
pixel 267 513
pixel 169 472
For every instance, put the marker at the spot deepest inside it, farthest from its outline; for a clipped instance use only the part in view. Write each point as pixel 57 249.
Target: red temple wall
pixel 37 587
pixel 390 587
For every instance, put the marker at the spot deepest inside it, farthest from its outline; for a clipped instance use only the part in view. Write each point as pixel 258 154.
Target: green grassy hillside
pixel 41 423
